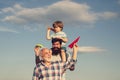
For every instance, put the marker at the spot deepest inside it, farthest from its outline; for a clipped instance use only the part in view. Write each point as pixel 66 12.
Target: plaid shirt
pixel 52 72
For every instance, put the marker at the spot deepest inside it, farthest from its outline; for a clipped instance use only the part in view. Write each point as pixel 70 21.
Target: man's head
pixel 56 46
pixel 46 54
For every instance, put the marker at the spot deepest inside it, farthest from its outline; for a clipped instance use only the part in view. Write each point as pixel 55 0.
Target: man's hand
pixel 37 51
pixel 75 48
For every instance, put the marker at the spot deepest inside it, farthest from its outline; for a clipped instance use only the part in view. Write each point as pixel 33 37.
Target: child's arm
pixel 48 33
pixel 64 39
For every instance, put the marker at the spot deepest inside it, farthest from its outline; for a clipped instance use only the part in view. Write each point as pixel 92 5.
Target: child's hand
pixel 52 29
pixel 49 28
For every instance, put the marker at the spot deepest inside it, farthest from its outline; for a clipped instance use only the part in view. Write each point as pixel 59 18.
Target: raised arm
pixel 37 54
pixel 75 50
pixel 48 33
pixel 64 39
pixel 73 60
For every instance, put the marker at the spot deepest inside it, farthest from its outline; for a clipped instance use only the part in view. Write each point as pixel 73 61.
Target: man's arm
pixel 37 59
pixel 37 53
pixel 75 50
pixel 64 39
pixel 73 60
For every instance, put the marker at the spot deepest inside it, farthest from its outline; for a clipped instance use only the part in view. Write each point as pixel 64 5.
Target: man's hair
pixel 59 24
pixel 56 40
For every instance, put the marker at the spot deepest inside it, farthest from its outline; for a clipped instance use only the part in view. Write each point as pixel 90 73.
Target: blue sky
pixel 23 24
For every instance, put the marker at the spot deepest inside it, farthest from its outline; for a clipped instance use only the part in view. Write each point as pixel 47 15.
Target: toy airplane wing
pixel 73 42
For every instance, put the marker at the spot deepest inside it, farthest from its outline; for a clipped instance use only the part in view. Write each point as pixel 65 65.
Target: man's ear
pixel 50 51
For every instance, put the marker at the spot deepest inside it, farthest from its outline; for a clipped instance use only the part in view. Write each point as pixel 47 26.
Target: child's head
pixel 58 24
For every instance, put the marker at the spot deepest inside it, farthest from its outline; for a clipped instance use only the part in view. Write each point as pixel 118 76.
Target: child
pixel 58 33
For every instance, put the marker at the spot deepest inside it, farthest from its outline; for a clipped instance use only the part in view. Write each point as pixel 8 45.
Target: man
pixel 48 70
pixel 58 54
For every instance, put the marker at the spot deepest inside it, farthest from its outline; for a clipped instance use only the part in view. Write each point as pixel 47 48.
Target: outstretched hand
pixel 75 47
pixel 75 50
pixel 37 51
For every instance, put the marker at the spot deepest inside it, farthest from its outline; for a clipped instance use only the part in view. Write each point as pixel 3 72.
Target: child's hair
pixel 59 24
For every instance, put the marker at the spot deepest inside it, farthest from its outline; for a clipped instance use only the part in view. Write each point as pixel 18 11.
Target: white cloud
pixel 13 9
pixel 9 9
pixel 14 19
pixel 90 49
pixel 65 10
pixel 107 15
pixel 3 29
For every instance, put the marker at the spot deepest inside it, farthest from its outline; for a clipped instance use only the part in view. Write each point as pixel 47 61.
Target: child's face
pixel 57 29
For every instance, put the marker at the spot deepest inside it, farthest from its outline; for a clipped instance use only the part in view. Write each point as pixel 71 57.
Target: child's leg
pixel 64 48
pixel 65 54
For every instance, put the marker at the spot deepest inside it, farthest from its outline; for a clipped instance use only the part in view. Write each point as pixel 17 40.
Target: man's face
pixel 46 55
pixel 56 48
pixel 56 45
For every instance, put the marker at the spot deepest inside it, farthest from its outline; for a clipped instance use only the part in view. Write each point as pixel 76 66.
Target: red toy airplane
pixel 75 41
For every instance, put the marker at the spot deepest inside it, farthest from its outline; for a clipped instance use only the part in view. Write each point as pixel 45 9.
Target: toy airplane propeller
pixel 73 42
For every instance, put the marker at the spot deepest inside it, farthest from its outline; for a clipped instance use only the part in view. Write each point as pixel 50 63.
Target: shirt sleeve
pixel 68 56
pixel 37 60
pixel 69 63
pixel 64 35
